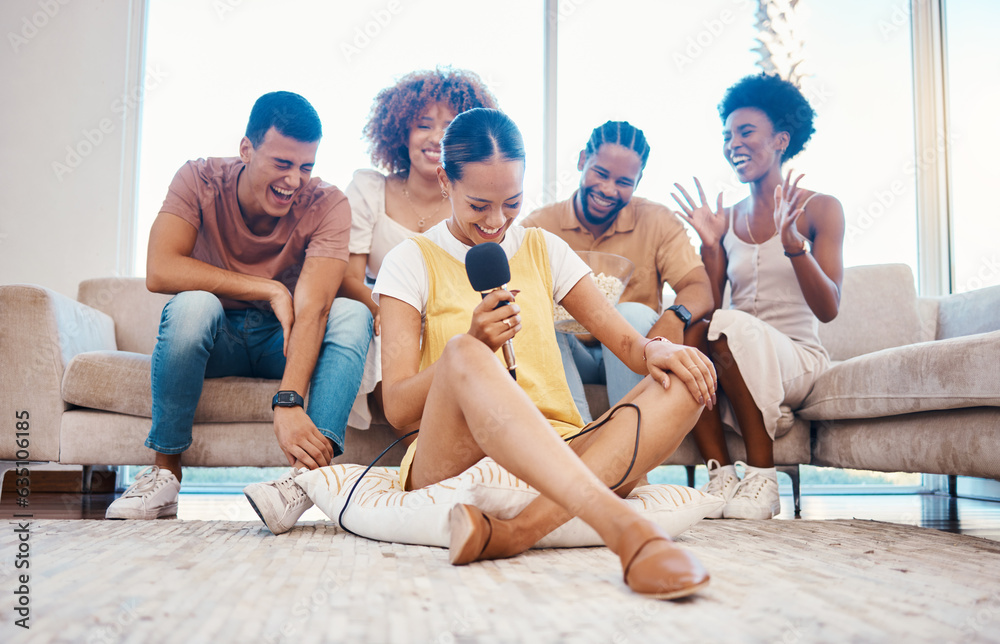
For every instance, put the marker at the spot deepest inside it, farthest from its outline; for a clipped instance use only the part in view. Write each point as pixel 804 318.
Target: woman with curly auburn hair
pixel 404 133
pixel 781 249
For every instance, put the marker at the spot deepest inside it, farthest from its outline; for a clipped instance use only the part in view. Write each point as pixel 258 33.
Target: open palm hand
pixel 709 225
pixel 787 213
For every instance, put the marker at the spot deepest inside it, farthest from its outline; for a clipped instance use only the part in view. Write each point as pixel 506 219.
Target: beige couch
pixel 916 386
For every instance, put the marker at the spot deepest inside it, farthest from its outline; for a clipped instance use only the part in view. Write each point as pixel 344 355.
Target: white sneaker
pixel 153 495
pixel 756 496
pixel 722 482
pixel 280 503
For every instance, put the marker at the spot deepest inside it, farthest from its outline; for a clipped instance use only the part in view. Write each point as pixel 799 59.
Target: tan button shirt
pixel 645 232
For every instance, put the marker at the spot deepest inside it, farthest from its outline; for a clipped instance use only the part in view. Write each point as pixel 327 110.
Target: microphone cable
pixel 635 450
pixel 340 517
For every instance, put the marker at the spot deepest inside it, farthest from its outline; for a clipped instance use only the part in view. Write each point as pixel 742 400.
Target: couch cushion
pixel 118 381
pixel 945 374
pixel 929 308
pixel 90 437
pixel 969 313
pixel 958 441
pixel 878 310
pixel 134 309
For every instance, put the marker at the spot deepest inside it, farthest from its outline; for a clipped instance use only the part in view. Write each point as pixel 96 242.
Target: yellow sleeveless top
pixel 450 302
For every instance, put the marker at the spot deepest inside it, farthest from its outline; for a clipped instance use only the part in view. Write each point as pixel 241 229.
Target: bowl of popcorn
pixel 610 273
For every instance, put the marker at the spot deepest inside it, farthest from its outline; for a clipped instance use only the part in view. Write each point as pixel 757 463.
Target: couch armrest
pixel 40 332
pixel 969 313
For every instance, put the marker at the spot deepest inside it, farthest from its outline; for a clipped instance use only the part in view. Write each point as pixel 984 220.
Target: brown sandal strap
pixel 635 555
pixel 484 553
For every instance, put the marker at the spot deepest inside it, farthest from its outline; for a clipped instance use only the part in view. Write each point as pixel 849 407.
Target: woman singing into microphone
pixel 441 369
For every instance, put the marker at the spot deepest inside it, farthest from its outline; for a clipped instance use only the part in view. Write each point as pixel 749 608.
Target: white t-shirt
pixel 404 273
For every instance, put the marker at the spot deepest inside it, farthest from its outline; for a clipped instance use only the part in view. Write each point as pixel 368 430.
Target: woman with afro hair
pixel 404 133
pixel 781 249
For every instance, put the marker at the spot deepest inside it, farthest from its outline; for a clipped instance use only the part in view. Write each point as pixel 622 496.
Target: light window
pixel 973 58
pixel 863 149
pixel 663 67
pixel 217 58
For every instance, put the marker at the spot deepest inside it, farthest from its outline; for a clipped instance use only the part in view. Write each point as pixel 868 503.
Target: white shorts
pixel 778 371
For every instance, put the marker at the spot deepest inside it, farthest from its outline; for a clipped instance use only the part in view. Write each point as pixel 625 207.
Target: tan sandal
pixel 657 568
pixel 476 536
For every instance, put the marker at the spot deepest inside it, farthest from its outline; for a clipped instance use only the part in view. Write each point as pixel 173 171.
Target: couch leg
pixel 88 478
pixel 5 466
pixel 793 473
pixel 690 473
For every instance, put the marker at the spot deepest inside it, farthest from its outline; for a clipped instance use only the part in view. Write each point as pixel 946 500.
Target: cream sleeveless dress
pixel 373 233
pixel 772 332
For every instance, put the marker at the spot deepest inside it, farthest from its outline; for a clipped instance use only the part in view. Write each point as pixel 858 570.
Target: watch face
pixel 286 399
pixel 682 314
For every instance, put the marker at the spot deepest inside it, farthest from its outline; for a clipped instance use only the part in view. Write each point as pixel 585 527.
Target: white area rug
pixel 233 581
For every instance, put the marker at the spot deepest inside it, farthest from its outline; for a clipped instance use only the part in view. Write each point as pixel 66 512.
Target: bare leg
pixel 474 408
pixel 667 416
pixel 760 446
pixel 377 409
pixel 170 462
pixel 708 431
pixel 709 435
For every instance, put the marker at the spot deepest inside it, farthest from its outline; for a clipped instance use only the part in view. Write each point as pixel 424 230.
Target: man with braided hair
pixel 602 215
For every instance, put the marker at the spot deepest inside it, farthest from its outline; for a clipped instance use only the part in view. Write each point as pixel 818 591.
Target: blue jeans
pixel 598 365
pixel 199 339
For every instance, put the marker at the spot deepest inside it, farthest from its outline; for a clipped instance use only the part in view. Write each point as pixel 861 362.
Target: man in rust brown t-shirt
pixel 254 249
pixel 602 215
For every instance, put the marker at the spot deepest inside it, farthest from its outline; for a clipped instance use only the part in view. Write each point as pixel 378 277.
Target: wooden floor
pixel 963 516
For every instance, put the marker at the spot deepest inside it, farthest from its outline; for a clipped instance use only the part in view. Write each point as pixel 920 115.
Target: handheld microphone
pixel 487 267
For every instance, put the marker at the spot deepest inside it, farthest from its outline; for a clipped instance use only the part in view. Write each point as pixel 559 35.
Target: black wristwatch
pixel 287 399
pixel 681 312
